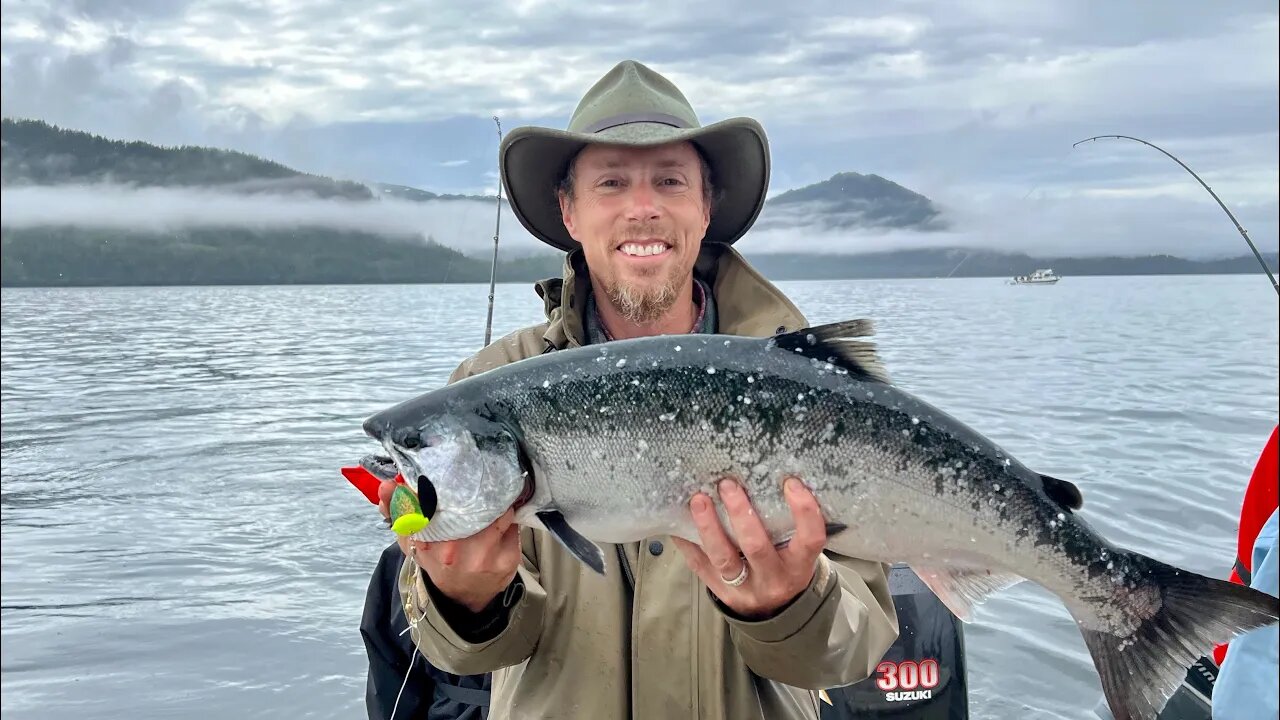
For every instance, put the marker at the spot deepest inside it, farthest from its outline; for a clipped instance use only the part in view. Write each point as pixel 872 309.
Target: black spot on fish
pixel 427 497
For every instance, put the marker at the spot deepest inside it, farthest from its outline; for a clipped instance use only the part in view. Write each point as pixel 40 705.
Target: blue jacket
pixel 1250 679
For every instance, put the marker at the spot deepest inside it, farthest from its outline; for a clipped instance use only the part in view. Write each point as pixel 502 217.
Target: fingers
pixel 509 555
pixel 720 551
pixel 811 526
pixel 697 561
pixel 693 555
pixel 478 552
pixel 386 489
pixel 445 552
pixel 753 540
pixel 504 522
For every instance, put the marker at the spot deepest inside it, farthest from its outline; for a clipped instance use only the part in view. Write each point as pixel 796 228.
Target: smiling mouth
pixel 646 248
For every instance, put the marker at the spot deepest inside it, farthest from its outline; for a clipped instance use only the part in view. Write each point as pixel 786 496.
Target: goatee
pixel 642 305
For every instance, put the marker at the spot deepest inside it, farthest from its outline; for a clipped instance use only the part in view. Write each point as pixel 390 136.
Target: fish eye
pixel 427 497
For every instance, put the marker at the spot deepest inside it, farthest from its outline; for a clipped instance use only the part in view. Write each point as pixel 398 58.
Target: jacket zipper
pixel 630 577
pixel 626 567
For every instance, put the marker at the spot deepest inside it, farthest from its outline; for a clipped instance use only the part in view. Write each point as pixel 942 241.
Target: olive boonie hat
pixel 633 105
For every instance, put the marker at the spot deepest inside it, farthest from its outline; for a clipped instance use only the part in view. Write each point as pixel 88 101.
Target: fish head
pixel 466 473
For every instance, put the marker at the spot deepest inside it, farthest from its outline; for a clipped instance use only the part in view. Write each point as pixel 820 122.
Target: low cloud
pixel 463 225
pixel 1079 223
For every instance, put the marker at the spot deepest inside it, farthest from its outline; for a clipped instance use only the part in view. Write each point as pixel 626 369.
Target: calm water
pixel 177 540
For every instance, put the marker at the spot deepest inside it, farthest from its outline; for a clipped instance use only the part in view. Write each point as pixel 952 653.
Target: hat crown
pixel 632 92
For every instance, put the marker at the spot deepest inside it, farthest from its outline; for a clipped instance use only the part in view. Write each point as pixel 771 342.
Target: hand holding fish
pixel 755 579
pixel 471 571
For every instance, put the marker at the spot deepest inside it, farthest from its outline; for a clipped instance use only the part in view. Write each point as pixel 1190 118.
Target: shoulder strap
pixel 464 695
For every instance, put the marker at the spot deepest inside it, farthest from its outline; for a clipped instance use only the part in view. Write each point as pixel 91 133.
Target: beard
pixel 643 304
pixel 646 299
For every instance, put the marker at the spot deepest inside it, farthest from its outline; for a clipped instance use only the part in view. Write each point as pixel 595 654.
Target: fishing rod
pixel 493 269
pixel 1221 204
pixel 957 267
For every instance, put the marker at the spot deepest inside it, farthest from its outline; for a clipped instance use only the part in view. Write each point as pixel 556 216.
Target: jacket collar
pixel 746 303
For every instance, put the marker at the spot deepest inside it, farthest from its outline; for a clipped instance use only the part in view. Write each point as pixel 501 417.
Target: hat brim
pixel 532 161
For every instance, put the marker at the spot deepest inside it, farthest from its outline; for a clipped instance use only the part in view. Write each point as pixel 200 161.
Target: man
pixel 647 203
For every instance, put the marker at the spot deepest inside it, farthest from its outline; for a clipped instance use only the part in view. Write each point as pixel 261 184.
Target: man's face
pixel 640 216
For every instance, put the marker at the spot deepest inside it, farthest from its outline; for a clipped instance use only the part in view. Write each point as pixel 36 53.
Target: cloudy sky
pixel 974 104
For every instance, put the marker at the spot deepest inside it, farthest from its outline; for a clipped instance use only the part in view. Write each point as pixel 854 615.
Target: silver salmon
pixel 608 443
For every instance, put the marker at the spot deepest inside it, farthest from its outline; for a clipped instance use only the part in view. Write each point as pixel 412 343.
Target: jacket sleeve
pixel 458 650
pixel 511 637
pixel 833 634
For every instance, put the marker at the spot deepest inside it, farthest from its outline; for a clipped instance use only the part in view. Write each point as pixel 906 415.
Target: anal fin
pixel 961 588
pixel 580 547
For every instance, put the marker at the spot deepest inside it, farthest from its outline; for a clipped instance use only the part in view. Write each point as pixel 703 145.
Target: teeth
pixel 638 250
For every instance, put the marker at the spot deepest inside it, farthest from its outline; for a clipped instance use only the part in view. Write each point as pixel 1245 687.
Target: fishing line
pixel 396 706
pixel 412 657
pixel 1243 233
pixel 488 329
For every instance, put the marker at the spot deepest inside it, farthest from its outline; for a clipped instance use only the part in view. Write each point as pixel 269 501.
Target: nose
pixel 644 205
pixel 427 499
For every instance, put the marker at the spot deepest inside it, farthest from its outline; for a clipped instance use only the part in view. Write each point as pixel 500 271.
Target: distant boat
pixel 1044 276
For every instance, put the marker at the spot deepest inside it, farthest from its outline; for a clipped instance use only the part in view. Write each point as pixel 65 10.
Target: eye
pixel 427 497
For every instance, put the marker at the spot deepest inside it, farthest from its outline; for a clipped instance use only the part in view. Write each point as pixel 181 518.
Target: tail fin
pixel 1140 672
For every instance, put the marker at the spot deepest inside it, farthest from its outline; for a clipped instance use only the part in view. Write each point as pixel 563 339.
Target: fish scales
pixel 627 436
pixel 630 436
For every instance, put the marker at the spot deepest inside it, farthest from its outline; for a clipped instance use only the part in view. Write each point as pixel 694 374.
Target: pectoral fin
pixel 833 529
pixel 581 548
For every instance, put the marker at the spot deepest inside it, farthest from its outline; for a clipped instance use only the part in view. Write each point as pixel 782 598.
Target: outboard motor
pixel 922 675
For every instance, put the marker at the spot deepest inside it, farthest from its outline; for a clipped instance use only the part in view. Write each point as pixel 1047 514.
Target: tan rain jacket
pixel 580 645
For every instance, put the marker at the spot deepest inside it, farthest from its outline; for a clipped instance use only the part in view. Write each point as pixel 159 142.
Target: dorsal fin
pixel 1064 493
pixel 835 343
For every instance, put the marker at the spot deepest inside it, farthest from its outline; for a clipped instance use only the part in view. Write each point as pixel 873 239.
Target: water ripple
pixel 172 507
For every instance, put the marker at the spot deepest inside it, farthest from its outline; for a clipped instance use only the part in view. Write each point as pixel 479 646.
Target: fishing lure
pixel 406 513
pixel 407 517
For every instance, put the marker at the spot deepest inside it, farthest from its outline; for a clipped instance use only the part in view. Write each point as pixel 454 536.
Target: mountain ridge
pixel 33 152
pixel 40 153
